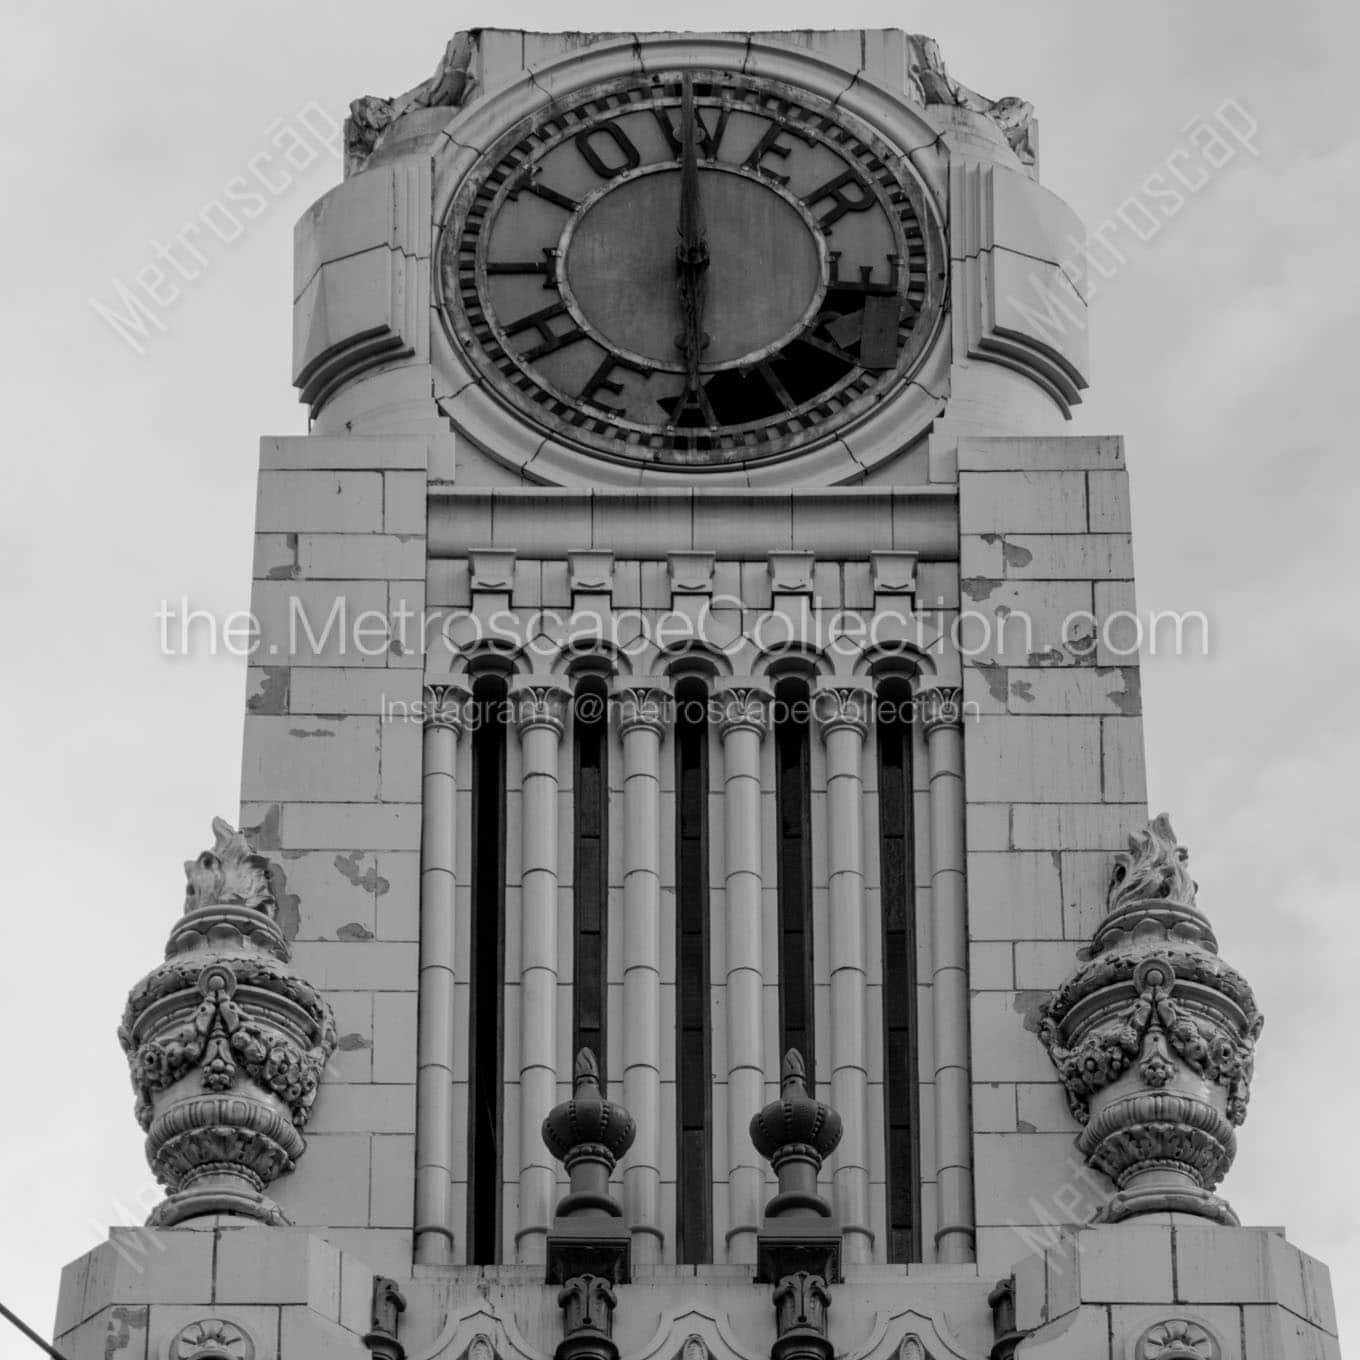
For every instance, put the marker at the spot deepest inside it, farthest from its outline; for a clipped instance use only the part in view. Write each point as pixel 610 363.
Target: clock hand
pixel 691 255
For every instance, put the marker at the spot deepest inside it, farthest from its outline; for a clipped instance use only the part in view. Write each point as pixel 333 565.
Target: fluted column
pixel 443 709
pixel 942 714
pixel 539 711
pixel 643 712
pixel 843 715
pixel 745 720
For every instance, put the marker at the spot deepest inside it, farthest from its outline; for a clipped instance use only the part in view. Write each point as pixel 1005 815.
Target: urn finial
pixel 225 1005
pixel 588 1134
pixel 796 1134
pixel 1154 1037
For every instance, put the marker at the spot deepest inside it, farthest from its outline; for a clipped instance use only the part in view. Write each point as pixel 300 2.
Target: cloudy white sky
pixel 1224 351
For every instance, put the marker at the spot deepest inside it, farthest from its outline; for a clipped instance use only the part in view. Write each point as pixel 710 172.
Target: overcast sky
pixel 1224 352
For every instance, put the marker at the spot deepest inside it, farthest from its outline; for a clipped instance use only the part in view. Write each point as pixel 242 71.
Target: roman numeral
pixel 528 180
pixel 547 266
pixel 600 381
pixel 551 340
pixel 865 283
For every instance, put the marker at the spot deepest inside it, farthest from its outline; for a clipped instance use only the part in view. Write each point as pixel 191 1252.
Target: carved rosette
pixel 1153 1037
pixel 226 1044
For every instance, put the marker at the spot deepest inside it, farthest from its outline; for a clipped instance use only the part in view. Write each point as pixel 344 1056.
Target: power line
pixel 31 1334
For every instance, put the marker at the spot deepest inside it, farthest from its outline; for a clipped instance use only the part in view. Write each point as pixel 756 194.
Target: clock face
pixel 697 269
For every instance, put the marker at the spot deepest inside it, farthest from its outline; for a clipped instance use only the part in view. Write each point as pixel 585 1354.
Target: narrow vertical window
pixel 485 1038
pixel 590 874
pixel 693 1094
pixel 793 797
pixel 900 1091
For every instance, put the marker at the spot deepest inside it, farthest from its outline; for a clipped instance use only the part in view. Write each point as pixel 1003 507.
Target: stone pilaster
pixel 643 716
pixel 539 713
pixel 843 713
pixel 444 707
pixel 744 722
pixel 942 715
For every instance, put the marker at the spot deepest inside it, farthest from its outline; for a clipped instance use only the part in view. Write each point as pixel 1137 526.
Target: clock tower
pixel 694 894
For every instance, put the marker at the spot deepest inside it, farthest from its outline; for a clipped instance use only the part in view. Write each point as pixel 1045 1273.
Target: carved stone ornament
pixel 211 1339
pixel 1154 1038
pixel 1177 1339
pixel 226 1044
pixel 388 1304
pixel 932 84
pixel 481 1347
pixel 588 1134
pixel 370 117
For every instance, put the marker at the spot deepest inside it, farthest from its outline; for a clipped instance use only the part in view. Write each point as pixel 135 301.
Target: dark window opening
pixel 590 874
pixel 485 1008
pixel 794 811
pixel 693 1089
pixel 901 1093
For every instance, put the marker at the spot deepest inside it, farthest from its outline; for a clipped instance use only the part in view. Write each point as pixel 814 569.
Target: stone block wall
pixel 332 792
pixel 1054 760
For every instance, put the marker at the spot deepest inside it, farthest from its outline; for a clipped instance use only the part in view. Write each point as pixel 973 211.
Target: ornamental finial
pixel 230 874
pixel 1154 866
pixel 1153 1036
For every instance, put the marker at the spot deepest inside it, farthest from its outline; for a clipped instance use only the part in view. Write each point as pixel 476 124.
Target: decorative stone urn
pixel 589 1246
pixel 226 1044
pixel 1153 1037
pixel 798 1246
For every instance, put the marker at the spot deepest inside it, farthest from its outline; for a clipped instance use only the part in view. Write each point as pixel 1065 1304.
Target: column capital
pixel 646 705
pixel 743 707
pixel 942 707
pixel 539 705
pixel 444 704
pixel 837 706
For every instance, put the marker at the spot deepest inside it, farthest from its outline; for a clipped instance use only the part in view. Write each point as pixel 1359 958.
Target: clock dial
pixel 699 268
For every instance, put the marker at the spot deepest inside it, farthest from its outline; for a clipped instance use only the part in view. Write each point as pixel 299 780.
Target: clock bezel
pixel 539 452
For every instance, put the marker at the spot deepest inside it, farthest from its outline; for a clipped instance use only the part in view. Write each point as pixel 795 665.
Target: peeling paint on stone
pixel 311 732
pixel 1012 554
pixel 349 1043
pixel 289 571
pixel 1129 700
pixel 1027 1006
pixel 994 677
pixel 1024 1126
pixel 289 905
pixel 122 1322
pixel 1052 657
pixel 978 587
pixel 1023 690
pixel 353 930
pixel 272 694
pixel 371 881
